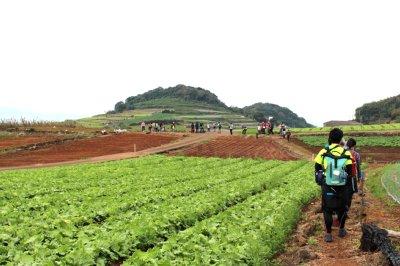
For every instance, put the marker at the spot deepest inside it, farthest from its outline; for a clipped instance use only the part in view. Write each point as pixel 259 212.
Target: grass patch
pixel 374 185
pixel 312 241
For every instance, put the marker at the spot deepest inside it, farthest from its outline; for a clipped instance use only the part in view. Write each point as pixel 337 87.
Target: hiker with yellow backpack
pixel 333 172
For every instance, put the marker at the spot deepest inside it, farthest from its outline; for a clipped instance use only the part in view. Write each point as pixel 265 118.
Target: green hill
pixel 280 114
pixel 384 111
pixel 182 104
pixel 161 96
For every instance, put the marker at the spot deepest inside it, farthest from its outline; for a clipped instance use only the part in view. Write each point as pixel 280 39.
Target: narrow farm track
pixel 293 148
pixel 301 250
pixel 307 247
pixel 101 149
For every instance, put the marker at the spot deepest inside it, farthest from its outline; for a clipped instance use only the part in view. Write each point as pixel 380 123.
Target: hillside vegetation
pixel 183 92
pixel 280 114
pixel 383 111
pixel 185 104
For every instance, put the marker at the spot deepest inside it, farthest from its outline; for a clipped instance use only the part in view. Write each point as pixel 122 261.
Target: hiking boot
pixel 342 232
pixel 328 237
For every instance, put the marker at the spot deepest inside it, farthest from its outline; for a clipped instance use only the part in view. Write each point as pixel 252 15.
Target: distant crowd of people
pixel 198 127
pixel 157 127
pixel 265 128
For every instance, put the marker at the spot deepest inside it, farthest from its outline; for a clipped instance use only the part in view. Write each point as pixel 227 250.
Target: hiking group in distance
pixel 265 127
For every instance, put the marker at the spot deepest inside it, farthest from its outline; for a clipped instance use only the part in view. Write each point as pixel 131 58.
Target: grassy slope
pixel 184 113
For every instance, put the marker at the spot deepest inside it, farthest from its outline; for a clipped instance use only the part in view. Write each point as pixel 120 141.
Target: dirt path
pixel 297 150
pixel 180 143
pixel 307 246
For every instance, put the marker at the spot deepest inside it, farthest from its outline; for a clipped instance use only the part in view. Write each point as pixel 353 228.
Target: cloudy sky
pixel 322 59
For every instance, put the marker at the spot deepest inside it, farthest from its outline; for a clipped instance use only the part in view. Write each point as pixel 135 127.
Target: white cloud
pixel 80 57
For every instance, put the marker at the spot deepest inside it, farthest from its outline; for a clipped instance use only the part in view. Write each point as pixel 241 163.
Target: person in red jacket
pixel 356 171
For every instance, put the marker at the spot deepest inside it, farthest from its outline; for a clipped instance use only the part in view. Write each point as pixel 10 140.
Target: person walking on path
pixel 360 176
pixel 244 130
pixel 231 128
pixel 219 127
pixel 284 131
pixel 288 134
pixel 143 126
pixel 333 172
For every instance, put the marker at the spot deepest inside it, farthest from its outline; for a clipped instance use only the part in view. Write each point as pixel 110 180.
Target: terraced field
pixel 154 209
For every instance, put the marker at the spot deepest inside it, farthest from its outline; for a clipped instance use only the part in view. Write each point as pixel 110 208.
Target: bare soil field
pixel 237 146
pixel 18 141
pixel 86 148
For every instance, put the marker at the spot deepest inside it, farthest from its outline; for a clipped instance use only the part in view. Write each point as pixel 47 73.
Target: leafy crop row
pixel 249 233
pixel 99 213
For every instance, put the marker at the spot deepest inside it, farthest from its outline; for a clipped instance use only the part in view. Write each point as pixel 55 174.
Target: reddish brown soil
pixel 369 154
pixel 85 148
pixel 308 247
pixel 18 141
pixel 236 146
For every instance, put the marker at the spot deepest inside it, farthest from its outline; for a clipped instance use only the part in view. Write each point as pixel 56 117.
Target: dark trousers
pixel 328 218
pixel 335 199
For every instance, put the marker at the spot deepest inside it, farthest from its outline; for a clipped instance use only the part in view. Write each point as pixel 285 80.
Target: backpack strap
pixel 329 154
pixel 343 155
pixel 328 150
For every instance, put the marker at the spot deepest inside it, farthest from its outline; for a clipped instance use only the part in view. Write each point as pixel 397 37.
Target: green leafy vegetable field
pixel 154 209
